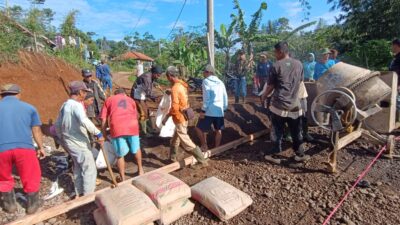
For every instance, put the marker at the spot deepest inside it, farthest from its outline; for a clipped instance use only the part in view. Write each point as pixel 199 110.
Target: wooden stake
pixel 81 201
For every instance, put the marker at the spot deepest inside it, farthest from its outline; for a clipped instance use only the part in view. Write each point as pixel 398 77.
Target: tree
pixel 68 27
pixel 247 33
pixel 369 19
pixel 225 40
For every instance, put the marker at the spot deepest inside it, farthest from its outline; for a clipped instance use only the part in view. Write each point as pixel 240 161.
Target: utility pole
pixel 210 29
pixel 7 11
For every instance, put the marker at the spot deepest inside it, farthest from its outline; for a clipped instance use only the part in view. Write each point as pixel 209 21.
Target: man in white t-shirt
pixel 139 68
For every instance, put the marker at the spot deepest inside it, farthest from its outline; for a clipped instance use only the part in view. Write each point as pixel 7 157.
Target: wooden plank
pixel 76 203
pixel 349 138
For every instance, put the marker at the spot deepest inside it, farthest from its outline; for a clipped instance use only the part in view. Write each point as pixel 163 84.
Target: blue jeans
pixel 107 82
pixel 240 87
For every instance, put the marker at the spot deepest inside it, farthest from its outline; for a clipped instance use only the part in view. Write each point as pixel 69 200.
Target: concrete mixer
pixel 347 96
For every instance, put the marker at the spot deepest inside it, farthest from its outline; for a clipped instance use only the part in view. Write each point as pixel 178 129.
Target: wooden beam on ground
pixel 76 203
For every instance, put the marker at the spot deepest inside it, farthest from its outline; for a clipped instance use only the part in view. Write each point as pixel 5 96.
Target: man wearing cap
pixel 179 103
pixel 19 122
pixel 72 128
pixel 141 90
pixel 263 71
pixel 241 69
pixel 323 63
pixel 121 114
pixel 93 110
pixel 106 75
pixel 215 103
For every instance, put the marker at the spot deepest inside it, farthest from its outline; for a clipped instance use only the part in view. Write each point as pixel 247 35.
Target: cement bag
pixel 99 217
pixel 221 198
pixel 168 129
pixel 175 211
pixel 162 188
pixel 127 205
pixel 112 157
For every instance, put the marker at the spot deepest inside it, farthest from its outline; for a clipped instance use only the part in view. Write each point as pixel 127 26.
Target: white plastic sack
pixel 99 156
pixel 127 205
pixel 162 188
pixel 221 198
pixel 163 108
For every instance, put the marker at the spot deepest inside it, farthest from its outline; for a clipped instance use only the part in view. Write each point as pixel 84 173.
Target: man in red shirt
pixel 121 114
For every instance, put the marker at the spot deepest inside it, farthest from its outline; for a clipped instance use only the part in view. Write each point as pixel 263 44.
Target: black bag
pixel 188 113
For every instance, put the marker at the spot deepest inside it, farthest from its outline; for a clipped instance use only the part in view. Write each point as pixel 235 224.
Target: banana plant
pixel 225 40
pixel 247 33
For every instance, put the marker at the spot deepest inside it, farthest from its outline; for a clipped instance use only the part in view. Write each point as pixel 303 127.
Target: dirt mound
pixel 43 79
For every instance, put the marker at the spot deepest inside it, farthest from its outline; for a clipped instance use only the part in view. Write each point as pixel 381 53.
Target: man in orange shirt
pixel 179 98
pixel 120 111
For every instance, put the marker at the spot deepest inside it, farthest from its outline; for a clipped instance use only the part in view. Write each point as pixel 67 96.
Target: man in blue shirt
pixel 323 64
pixel 263 70
pixel 215 103
pixel 106 76
pixel 18 122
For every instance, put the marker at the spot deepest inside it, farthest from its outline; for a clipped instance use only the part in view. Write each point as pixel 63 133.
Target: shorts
pixel 205 124
pixel 125 144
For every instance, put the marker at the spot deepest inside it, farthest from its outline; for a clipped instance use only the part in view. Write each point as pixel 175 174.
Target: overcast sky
pixel 118 18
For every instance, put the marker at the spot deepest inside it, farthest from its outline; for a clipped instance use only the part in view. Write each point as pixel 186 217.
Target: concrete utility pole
pixel 210 29
pixel 7 11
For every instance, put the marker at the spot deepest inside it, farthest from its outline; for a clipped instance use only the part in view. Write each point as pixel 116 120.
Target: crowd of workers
pixel 88 117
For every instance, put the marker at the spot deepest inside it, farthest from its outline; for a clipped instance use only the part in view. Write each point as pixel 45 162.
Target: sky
pixel 118 18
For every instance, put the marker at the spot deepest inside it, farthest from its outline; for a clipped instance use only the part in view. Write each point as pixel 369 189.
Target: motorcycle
pixel 230 82
pixel 195 84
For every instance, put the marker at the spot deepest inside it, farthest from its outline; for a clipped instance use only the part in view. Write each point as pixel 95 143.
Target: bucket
pixel 366 85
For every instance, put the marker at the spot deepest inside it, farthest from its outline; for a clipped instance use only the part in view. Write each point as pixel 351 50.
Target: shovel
pixel 115 184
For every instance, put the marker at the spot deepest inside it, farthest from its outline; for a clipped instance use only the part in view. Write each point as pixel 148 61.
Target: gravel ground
pixel 283 194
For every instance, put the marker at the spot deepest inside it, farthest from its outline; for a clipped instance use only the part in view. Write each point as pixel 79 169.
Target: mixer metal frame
pixel 343 133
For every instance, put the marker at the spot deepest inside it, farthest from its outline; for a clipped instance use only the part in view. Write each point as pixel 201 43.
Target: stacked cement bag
pixel 125 205
pixel 221 198
pixel 170 195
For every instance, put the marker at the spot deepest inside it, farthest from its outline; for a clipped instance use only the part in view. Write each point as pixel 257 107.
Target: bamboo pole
pixel 81 201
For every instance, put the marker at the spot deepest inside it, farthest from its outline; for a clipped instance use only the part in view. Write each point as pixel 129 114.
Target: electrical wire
pixel 141 14
pixel 176 21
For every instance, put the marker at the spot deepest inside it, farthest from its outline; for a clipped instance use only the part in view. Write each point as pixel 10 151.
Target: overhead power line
pixel 177 19
pixel 141 14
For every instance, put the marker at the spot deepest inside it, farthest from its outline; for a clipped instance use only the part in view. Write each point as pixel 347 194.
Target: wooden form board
pixel 385 120
pixel 76 203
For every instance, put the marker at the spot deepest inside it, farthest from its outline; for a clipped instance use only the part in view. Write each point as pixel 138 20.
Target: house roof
pixel 135 55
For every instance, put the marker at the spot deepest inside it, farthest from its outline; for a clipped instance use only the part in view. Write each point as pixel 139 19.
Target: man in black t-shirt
pixel 285 79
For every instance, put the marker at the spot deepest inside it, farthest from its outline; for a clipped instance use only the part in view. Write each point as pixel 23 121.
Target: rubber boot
pixel 150 126
pixel 236 99
pixel 143 128
pixel 9 202
pixel 33 203
pixel 198 155
pixel 306 136
pixel 243 100
pixel 173 154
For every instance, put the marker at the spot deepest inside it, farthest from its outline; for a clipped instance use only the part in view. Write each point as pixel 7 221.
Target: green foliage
pixel 369 19
pixel 11 40
pixel 72 56
pixel 374 54
pixel 125 66
pixel 68 27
